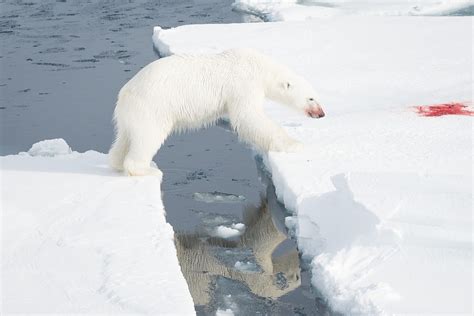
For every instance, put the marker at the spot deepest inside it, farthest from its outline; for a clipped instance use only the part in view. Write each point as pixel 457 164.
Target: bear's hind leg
pixel 144 143
pixel 119 150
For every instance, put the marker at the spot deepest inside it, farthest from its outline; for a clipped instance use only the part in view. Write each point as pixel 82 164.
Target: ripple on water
pixel 217 197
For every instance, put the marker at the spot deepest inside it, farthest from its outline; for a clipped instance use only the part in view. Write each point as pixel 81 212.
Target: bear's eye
pixel 311 99
pixel 288 85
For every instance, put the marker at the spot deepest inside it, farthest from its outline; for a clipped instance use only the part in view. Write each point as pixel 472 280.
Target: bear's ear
pixel 286 85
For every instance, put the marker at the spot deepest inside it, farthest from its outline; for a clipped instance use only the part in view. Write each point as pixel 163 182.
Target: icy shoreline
pixel 292 10
pixel 80 238
pixel 388 202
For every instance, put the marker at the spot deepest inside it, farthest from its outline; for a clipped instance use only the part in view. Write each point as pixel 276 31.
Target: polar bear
pixel 183 92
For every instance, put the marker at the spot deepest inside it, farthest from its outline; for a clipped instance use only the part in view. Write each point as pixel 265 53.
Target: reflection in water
pixel 276 276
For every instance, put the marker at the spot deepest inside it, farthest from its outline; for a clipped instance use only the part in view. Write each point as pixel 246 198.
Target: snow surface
pixel 80 238
pixel 292 10
pixel 382 197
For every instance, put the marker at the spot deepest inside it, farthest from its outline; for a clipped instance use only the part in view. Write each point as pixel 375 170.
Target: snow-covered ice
pixel 382 197
pixel 293 10
pixel 50 148
pixel 80 238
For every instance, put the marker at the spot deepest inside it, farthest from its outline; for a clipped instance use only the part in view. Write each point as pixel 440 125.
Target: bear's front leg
pixel 285 143
pixel 254 127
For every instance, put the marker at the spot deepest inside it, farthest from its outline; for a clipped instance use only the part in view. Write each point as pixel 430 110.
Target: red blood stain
pixel 454 108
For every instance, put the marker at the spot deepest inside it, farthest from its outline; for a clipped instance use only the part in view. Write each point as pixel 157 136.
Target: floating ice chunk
pixel 213 220
pixel 212 197
pixel 226 232
pixel 246 266
pixel 226 312
pixel 291 222
pixel 239 226
pixel 50 148
pixel 229 232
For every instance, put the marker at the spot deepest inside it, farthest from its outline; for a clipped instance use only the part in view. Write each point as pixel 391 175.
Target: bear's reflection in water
pixel 278 275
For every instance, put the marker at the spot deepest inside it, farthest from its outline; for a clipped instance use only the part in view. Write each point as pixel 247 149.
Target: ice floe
pixel 382 196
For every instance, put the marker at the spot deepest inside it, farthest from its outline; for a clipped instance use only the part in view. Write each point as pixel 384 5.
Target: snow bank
pixel 292 10
pixel 382 197
pixel 50 148
pixel 80 238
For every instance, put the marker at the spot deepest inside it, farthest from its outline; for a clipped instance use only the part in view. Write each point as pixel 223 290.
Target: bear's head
pixel 297 93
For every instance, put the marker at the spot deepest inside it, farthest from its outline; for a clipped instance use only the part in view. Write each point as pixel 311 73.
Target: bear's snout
pixel 315 112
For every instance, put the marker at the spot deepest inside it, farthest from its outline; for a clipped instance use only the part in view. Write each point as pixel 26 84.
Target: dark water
pixel 469 11
pixel 62 64
pixel 208 262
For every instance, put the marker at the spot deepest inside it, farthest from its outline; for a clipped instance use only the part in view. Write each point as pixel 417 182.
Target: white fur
pixel 178 93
